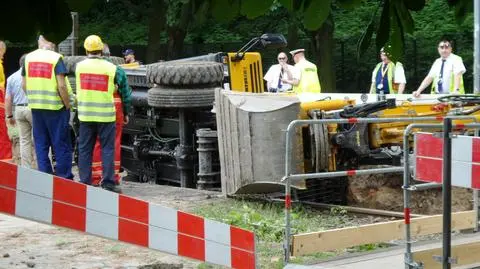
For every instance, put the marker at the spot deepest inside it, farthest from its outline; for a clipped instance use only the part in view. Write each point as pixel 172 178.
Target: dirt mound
pixel 385 192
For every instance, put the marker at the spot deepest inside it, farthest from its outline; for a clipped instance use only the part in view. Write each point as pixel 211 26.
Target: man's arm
pixel 294 78
pixel 124 90
pixel 62 90
pixel 24 81
pixel 425 83
pixel 458 70
pixel 400 78
pixel 60 71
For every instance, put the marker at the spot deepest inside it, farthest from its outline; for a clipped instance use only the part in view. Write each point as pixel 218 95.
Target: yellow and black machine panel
pixel 246 72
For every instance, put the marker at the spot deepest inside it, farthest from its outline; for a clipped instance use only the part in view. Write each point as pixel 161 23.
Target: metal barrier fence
pixel 288 155
pixel 446 260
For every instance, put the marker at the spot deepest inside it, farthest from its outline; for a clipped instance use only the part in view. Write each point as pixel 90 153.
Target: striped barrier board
pixel 465 160
pixel 48 199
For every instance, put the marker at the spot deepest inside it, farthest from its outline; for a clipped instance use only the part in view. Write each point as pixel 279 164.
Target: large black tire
pixel 116 60
pixel 185 98
pixel 185 73
pixel 71 63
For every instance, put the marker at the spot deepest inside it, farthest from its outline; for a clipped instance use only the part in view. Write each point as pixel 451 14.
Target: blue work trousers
pixel 51 130
pixel 86 141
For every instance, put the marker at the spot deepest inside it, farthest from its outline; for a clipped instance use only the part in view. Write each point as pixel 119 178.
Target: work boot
pixel 111 187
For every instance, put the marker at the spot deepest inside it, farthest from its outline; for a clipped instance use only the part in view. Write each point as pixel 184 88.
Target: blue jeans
pixel 86 141
pixel 51 130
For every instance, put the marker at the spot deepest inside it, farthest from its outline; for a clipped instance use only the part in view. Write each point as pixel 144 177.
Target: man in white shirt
pixel 280 71
pixel 446 73
pixel 388 77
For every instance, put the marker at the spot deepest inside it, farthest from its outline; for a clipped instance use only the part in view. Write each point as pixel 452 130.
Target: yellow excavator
pixel 172 107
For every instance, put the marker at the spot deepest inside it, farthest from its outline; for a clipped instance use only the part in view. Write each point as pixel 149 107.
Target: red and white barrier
pixel 465 160
pixel 48 199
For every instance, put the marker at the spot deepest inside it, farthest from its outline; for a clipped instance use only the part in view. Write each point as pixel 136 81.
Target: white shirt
pixel 273 75
pixel 398 74
pixel 452 63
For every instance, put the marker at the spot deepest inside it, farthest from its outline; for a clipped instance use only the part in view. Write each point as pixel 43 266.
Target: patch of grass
pixel 368 247
pixel 267 220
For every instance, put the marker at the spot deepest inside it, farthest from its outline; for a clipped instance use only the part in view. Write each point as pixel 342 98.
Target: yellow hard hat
pixel 93 43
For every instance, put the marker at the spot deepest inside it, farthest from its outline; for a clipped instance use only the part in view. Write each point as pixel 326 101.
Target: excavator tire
pixel 116 60
pixel 71 62
pixel 168 97
pixel 181 74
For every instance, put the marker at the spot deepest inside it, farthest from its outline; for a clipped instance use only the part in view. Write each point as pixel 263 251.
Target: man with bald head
pixel 5 144
pixel 277 72
pixel 43 79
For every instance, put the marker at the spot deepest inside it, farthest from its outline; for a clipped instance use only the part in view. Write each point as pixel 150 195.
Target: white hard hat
pixel 293 52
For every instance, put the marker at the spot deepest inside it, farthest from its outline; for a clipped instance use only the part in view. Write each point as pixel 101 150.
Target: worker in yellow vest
pixel 446 74
pixel 96 79
pixel 388 77
pixel 43 78
pixel 308 82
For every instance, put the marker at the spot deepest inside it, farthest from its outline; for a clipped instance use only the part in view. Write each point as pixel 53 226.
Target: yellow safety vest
pixel 41 83
pixel 95 89
pixel 451 87
pixel 309 81
pixel 393 87
pixel 70 91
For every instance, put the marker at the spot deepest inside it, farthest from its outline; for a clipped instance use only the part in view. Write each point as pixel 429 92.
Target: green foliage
pixel 368 247
pixel 225 10
pixel 267 220
pixel 174 9
pixel 24 20
pixel 255 8
pixel 316 13
pixel 364 41
pixel 80 5
pixel 349 4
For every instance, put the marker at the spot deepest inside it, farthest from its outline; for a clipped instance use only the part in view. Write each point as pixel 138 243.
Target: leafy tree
pixel 23 20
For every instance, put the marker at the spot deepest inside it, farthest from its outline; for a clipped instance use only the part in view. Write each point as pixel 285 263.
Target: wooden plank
pixel 375 233
pixel 466 254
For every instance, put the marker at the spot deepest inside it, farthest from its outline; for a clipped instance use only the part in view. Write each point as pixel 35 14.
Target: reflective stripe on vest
pixel 309 81
pixel 391 86
pixel 95 89
pixel 41 82
pixel 451 86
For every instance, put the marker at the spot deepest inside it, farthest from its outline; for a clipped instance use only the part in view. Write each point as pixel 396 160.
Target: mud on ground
pixel 384 191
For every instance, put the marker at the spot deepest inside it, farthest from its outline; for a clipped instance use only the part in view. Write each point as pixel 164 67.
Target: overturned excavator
pixel 205 122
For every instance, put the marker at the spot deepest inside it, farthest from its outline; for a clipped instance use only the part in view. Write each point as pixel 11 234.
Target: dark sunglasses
pixel 282 58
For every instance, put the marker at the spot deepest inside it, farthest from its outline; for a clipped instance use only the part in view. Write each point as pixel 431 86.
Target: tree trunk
pixel 156 25
pixel 176 38
pixel 177 32
pixel 292 37
pixel 323 46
